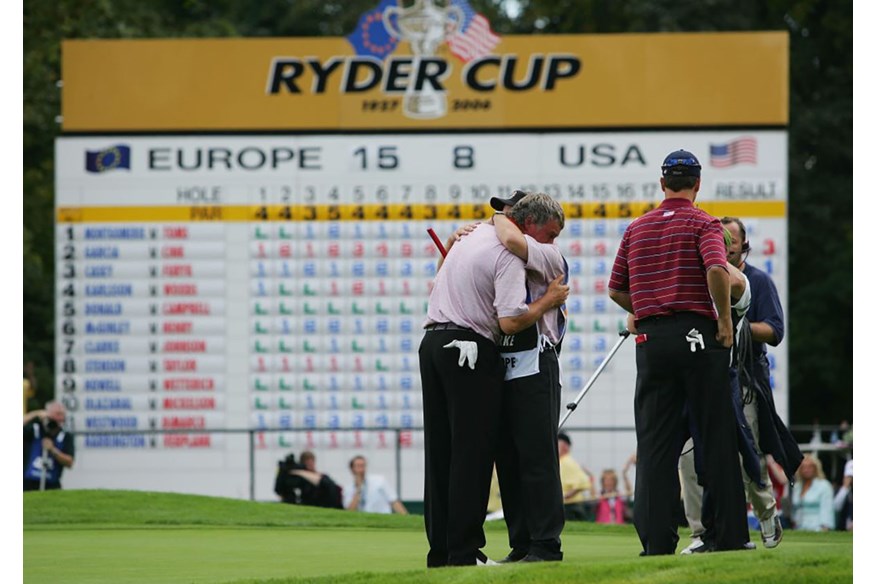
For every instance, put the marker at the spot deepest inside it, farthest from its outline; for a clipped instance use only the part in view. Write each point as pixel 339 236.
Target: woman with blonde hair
pixel 611 507
pixel 812 497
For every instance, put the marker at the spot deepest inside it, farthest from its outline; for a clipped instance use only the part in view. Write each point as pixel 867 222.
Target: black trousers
pixel 670 375
pixel 460 420
pixel 527 462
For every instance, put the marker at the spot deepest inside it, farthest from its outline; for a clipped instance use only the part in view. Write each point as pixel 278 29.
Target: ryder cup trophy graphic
pixel 424 26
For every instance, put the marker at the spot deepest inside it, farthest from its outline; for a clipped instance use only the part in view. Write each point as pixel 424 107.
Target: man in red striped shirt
pixel 671 274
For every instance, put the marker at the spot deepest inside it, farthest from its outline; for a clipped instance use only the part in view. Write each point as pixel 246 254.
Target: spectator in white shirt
pixel 370 493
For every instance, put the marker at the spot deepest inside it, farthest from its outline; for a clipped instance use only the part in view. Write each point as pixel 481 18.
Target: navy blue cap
pixel 499 204
pixel 681 163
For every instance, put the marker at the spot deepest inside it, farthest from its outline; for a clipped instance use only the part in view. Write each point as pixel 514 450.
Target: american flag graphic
pixel 474 38
pixel 740 151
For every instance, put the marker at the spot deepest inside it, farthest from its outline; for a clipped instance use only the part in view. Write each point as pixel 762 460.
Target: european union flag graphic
pixel 108 159
pixel 371 38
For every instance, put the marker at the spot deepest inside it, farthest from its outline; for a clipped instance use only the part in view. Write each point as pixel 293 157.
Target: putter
pixel 571 406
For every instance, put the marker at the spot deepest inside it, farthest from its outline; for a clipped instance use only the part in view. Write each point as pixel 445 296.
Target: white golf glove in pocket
pixel 468 351
pixel 695 338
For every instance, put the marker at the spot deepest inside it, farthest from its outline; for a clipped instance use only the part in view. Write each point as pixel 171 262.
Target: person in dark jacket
pixel 696 499
pixel 764 324
pixel 301 484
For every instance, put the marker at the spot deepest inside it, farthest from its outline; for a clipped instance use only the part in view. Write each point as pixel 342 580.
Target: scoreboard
pixel 281 282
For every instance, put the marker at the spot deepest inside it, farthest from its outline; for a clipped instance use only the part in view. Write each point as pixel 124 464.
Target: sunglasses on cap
pixel 684 161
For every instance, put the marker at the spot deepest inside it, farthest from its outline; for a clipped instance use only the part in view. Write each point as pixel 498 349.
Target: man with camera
pixel 48 448
pixel 301 484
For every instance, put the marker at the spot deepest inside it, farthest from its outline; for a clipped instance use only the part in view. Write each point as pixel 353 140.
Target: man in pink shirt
pixel 478 295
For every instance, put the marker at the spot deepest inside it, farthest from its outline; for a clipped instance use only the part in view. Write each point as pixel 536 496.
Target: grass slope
pixel 140 537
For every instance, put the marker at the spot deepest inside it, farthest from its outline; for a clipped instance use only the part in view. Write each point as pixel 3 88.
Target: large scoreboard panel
pixel 213 283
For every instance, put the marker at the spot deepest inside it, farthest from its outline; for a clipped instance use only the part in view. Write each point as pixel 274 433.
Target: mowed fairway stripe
pixel 215 555
pixel 212 555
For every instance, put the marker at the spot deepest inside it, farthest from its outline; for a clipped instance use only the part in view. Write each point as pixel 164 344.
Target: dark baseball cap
pixel 499 204
pixel 564 437
pixel 681 163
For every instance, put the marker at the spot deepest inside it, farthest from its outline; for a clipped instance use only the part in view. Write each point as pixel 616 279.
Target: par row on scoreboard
pixel 392 212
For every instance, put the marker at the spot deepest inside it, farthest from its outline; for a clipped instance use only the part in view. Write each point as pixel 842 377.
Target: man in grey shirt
pixel 527 461
pixel 479 294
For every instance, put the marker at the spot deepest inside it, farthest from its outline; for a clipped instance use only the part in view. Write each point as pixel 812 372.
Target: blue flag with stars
pixel 118 156
pixel 371 39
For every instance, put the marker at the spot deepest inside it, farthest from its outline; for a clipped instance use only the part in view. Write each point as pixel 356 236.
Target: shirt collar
pixel 676 203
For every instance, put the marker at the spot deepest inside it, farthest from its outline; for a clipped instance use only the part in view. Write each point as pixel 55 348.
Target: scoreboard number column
pixel 68 326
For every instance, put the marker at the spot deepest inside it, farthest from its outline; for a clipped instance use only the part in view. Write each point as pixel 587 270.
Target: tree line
pixel 819 311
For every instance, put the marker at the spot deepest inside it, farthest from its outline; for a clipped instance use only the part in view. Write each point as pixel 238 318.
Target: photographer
pixel 47 447
pixel 301 484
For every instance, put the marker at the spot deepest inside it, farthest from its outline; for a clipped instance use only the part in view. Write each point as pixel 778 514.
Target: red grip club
pixel 437 241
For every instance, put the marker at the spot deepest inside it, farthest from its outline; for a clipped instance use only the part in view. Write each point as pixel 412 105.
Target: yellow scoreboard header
pixel 392 75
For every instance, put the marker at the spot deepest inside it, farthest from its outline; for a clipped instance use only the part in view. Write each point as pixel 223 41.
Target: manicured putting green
pixel 147 538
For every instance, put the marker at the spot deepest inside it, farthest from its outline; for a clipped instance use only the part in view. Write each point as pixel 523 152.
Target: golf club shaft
pixel 45 462
pixel 571 407
pixel 437 241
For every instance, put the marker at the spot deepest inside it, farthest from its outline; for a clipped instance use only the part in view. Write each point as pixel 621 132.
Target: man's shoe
pixel 705 547
pixel 532 557
pixel 696 547
pixel 771 532
pixel 483 560
pixel 514 556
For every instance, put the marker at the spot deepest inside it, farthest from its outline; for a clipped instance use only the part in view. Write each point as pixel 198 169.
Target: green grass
pixel 122 537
